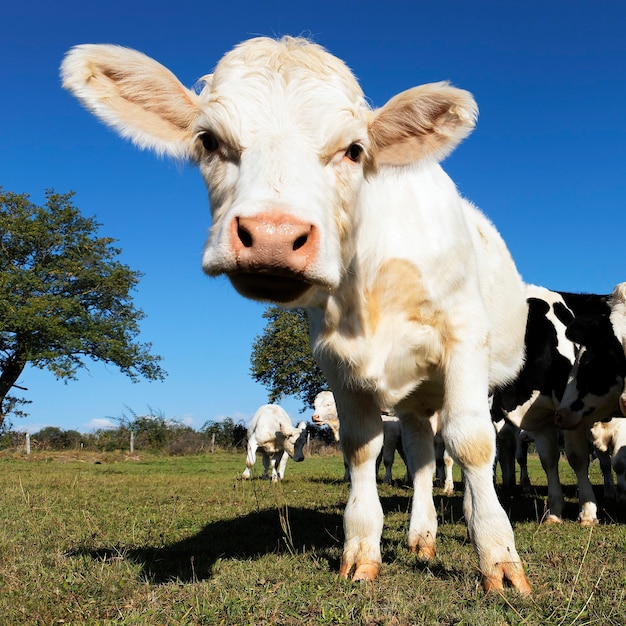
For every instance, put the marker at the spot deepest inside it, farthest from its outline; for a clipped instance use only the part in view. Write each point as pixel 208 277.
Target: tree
pixel 54 438
pixel 281 357
pixel 227 433
pixel 64 296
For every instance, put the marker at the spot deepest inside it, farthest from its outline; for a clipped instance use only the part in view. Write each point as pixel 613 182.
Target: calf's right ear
pixel 134 94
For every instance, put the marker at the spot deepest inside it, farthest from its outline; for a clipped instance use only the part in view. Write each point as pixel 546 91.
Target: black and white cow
pixel 532 400
pixel 272 432
pixel 596 383
pixel 392 443
pixel 512 445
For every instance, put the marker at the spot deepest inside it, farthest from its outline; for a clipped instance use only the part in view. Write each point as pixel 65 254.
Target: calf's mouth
pixel 270 287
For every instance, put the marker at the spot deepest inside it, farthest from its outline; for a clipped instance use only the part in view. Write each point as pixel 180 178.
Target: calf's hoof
pixel 423 547
pixel 511 572
pixel 366 570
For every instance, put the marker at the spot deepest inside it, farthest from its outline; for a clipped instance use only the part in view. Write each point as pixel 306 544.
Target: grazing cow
pixel 532 400
pixel 596 381
pixel 609 440
pixel 272 433
pixel 318 201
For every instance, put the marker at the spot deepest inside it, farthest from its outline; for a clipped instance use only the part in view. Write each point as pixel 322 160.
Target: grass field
pixel 108 539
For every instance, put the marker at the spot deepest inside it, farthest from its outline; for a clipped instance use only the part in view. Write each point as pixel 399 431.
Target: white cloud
pixel 101 423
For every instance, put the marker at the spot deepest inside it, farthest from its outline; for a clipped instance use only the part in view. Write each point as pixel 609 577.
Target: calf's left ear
pixel 429 120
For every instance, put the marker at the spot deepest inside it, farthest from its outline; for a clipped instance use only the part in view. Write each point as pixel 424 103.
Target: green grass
pixel 183 540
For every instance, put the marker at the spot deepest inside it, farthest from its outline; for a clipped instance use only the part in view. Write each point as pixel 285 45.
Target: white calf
pixel 318 201
pixel 272 433
pixel 609 438
pixel 325 412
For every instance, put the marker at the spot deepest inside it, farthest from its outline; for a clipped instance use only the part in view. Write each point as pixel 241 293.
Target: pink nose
pixel 273 243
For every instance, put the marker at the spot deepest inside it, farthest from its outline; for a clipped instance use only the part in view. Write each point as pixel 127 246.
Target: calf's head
pixel 284 140
pixel 295 441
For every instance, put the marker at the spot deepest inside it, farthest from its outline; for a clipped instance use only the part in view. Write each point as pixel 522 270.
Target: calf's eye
pixel 210 142
pixel 354 152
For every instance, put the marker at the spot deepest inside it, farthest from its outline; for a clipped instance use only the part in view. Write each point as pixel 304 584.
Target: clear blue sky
pixel 547 161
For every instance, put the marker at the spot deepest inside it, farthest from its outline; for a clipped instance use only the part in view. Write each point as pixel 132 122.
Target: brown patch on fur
pixel 357 454
pixel 398 290
pixel 474 451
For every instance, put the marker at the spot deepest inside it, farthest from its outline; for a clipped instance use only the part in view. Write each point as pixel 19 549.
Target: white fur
pixel 389 224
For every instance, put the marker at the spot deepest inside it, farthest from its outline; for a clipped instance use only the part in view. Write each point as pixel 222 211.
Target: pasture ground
pixel 112 539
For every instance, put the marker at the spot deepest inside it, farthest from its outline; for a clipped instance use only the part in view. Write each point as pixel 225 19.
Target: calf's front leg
pixel 361 439
pixel 470 438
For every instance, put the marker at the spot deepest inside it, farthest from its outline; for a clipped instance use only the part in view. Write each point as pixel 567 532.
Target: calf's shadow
pixel 271 531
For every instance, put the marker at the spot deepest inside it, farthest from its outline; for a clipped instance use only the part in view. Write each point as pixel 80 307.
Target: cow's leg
pixel 448 486
pixel 281 461
pixel 577 452
pixel 346 470
pixel 379 460
pixel 389 452
pixel 547 444
pixel 506 457
pixel 400 450
pixel 440 468
pixel 265 457
pixel 469 435
pixel 521 456
pixel 250 456
pixel 418 444
pixel 604 458
pixel 361 440
pixel 619 465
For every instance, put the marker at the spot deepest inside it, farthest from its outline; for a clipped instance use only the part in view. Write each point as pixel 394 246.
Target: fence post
pixel 132 442
pixel 27 443
pixel 212 443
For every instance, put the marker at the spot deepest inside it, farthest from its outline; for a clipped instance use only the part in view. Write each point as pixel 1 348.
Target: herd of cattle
pixel 572 383
pixel 413 300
